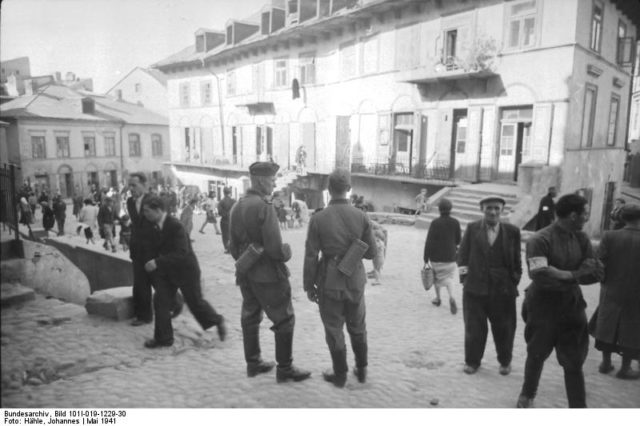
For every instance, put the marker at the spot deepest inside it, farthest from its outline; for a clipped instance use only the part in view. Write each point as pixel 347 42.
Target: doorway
pixel 458 143
pixel 515 140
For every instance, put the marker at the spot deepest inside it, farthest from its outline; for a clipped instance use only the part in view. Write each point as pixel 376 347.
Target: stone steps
pixel 14 293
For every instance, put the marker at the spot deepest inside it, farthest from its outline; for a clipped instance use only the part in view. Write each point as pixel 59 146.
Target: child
pixel 125 232
pixel 380 235
pixel 88 218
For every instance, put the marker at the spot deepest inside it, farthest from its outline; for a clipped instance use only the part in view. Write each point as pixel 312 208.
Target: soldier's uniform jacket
pixel 141 247
pixel 331 231
pixel 254 220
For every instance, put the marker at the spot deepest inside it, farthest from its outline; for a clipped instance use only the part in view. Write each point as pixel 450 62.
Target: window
pixel 205 92
pixel 507 139
pixel 522 24
pixel 596 25
pixel 134 145
pixel 138 87
pixel 38 147
pixel 109 145
pixel 184 94
pixel 588 116
pixel 89 145
pixel 231 82
pixel 450 42
pixel 408 47
pixel 622 33
pixel 156 145
pixel 280 73
pixel 348 59
pixel 613 120
pixel 369 63
pixel 62 146
pixel 308 68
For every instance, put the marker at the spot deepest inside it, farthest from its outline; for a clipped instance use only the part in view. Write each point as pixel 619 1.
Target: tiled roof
pixel 187 54
pixel 158 75
pixel 63 103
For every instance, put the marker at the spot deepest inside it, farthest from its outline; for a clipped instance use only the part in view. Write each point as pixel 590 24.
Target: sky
pixel 105 39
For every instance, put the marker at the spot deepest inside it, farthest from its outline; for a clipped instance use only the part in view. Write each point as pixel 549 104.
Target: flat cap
pixel 630 212
pixel 340 179
pixel 263 168
pixel 492 198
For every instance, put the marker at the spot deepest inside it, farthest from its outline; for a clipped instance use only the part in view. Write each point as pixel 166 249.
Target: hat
pixel 630 212
pixel 340 179
pixel 492 198
pixel 263 168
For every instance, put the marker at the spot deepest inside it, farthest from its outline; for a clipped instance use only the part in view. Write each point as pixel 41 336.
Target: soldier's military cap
pixel 263 168
pixel 492 198
pixel 630 212
pixel 340 179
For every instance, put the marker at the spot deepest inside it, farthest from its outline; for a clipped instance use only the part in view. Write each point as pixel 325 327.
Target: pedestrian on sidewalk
pixel 106 222
pixel 381 236
pixel 25 214
pixel 60 212
pixel 264 282
pixel 210 211
pixel 440 250
pixel 141 250
pixel 224 210
pixel 618 314
pixel 88 219
pixel 281 212
pixel 186 217
pixel 490 257
pixel 547 209
pixel 421 202
pixel 560 259
pixel 48 217
pixel 175 266
pixel 334 231
pixel 77 202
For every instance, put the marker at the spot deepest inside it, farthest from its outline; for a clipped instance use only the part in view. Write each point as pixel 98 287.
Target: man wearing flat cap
pixel 340 294
pixel 490 258
pixel 265 283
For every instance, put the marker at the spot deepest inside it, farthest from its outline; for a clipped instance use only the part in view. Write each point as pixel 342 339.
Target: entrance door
pixel 609 191
pixel 68 185
pixel 343 142
pixel 93 179
pixel 269 137
pixel 422 160
pixel 458 143
pixel 402 144
pixel 113 179
pixel 258 143
pixel 514 138
pixel 309 142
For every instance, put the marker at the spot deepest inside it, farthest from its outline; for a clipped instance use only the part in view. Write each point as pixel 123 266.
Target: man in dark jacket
pixel 59 211
pixel 546 210
pixel 490 256
pixel 175 266
pixel 265 284
pixel 332 231
pixel 224 210
pixel 560 259
pixel 440 252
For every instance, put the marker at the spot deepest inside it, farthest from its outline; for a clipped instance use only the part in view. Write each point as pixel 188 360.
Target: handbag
pixel 428 276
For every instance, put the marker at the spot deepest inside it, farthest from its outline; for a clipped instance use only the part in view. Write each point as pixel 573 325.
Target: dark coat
pixel 48 218
pixel 546 212
pixel 224 208
pixel 175 258
pixel 442 240
pixel 619 309
pixel 254 220
pixel 473 254
pixel 331 231
pixel 141 244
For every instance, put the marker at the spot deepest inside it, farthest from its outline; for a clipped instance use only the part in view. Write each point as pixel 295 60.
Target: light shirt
pixel 492 232
pixel 160 224
pixel 139 203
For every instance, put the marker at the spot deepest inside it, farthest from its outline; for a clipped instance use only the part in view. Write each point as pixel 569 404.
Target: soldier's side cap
pixel 263 168
pixel 630 212
pixel 493 198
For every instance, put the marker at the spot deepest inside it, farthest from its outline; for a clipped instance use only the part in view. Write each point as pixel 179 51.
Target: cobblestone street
pixel 55 355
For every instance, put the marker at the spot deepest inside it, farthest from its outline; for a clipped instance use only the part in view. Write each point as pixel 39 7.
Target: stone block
pixel 115 303
pixel 14 293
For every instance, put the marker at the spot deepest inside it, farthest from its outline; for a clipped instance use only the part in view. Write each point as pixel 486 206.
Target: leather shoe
pixel 524 402
pixel 154 344
pixel 436 302
pixel 453 307
pixel 606 368
pixel 338 380
pixel 138 322
pixel 505 370
pixel 291 373
pixel 222 330
pixel 628 374
pixel 361 374
pixel 470 369
pixel 259 368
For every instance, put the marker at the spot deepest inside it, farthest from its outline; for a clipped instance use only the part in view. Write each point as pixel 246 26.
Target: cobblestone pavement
pixel 55 355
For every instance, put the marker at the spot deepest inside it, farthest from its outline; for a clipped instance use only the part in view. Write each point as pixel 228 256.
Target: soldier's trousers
pixel 224 228
pixel 556 320
pixel 340 307
pixel 500 311
pixel 141 292
pixel 274 299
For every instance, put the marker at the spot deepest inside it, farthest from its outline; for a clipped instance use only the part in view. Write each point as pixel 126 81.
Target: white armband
pixel 536 263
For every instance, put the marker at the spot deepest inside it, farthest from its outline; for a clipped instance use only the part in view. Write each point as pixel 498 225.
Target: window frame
pixel 90 140
pixel 230 78
pixel 206 92
pixel 41 144
pixel 185 95
pixel 341 65
pixel 363 42
pixel 594 23
pixel 588 143
pixel 111 137
pixel 156 145
pixel 611 137
pixel 521 18
pixel 66 151
pixel 306 61
pixel 280 72
pixel 133 143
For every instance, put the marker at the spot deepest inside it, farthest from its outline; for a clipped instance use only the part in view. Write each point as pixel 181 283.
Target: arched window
pixel 156 145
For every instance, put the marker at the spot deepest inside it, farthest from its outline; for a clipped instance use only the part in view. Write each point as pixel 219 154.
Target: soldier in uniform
pixel 224 210
pixel 340 297
pixel 265 284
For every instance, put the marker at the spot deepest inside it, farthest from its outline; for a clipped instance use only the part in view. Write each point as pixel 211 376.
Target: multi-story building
pixel 410 94
pixel 145 87
pixel 67 140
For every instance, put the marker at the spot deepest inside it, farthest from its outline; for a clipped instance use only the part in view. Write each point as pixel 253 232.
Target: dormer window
pixel 88 106
pixel 230 34
pixel 200 43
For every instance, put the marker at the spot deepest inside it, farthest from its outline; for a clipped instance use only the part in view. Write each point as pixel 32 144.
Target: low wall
pixel 101 269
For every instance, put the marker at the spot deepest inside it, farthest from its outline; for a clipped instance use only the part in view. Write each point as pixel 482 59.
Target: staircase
pixel 466 203
pixel 285 178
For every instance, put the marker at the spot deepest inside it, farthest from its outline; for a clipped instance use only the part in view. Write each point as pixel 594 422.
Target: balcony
pixel 434 171
pixel 448 69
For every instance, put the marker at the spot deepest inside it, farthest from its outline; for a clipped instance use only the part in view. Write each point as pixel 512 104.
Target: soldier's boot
pixel 255 364
pixel 339 374
pixel 360 350
pixel 286 370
